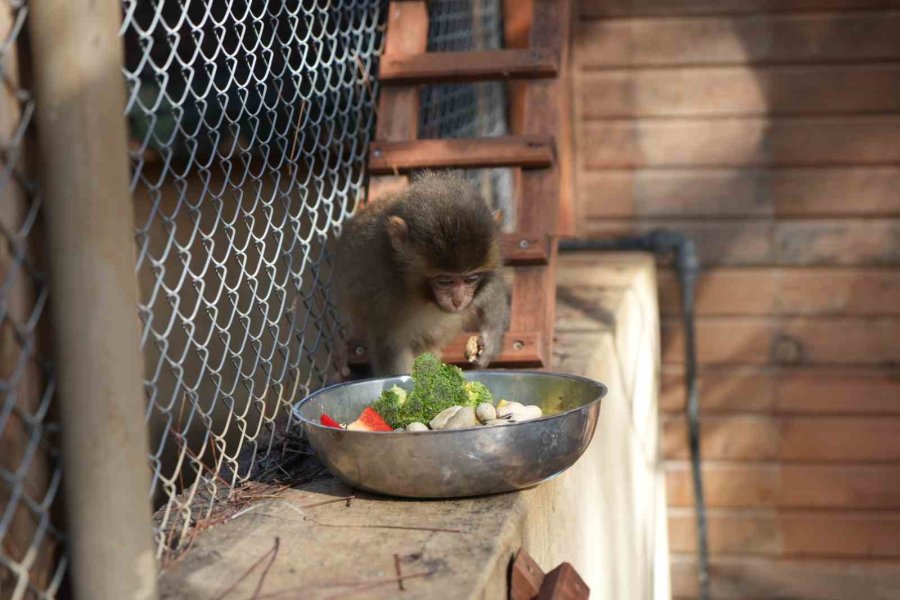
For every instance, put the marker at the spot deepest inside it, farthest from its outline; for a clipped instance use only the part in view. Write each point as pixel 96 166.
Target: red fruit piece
pixel 328 421
pixel 369 420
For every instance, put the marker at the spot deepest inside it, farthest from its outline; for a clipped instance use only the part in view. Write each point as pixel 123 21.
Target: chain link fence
pixel 249 125
pixel 250 122
pixel 467 110
pixel 31 559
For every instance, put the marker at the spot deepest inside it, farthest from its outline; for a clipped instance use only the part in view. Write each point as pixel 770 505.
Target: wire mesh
pixel 249 122
pixel 31 559
pixel 463 110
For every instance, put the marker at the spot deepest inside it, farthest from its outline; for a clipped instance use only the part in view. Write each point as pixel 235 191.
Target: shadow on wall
pixel 752 134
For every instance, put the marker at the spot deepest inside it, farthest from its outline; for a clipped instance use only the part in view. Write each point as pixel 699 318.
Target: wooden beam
pixel 483 65
pixel 521 349
pixel 398 106
pixel 534 288
pixel 527 151
pixel 525 249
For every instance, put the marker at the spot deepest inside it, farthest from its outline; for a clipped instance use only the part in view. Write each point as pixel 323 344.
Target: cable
pixel 663 242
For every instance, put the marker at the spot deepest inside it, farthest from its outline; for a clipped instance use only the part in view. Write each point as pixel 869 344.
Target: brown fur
pixel 388 255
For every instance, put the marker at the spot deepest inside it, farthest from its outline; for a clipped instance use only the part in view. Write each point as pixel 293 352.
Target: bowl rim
pixel 603 389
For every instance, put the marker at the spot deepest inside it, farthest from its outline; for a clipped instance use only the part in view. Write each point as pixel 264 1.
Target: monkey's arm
pixel 492 304
pixel 388 359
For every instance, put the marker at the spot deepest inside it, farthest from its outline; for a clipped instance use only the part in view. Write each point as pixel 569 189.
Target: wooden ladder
pixel 536 39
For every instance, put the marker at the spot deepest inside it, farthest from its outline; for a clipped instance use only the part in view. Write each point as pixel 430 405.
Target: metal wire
pixel 32 563
pixel 469 109
pixel 250 122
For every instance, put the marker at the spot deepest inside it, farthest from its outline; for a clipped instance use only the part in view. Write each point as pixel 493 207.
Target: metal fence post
pixel 80 90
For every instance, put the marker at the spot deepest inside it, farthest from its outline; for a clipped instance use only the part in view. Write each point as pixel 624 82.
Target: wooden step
pixel 487 65
pixel 527 151
pixel 520 249
pixel 520 350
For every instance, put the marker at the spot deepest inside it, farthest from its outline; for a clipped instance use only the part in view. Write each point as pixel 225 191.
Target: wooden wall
pixel 769 130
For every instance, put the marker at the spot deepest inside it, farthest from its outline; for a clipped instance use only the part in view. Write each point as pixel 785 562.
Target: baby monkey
pixel 415 269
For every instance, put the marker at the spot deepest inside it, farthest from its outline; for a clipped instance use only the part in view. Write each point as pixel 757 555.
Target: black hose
pixel 672 243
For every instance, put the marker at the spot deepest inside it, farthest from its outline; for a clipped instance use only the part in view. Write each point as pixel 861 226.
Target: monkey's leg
pixel 389 359
pixel 493 307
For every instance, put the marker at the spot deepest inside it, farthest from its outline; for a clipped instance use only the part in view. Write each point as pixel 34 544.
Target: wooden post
pixel 80 92
pixel 398 106
pixel 537 109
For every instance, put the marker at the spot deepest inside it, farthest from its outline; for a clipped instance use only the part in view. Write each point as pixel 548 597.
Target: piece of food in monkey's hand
pixel 474 347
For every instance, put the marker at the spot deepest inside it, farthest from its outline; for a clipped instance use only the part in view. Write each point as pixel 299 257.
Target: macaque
pixel 416 268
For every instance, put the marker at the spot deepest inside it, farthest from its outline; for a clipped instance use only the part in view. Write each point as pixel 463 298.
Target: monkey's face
pixel 454 292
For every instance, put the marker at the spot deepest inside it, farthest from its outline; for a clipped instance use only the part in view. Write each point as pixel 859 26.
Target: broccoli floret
pixel 436 386
pixel 477 393
pixel 390 405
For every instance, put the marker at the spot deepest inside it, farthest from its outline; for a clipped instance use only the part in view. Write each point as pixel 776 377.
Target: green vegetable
pixel 477 393
pixel 390 405
pixel 436 386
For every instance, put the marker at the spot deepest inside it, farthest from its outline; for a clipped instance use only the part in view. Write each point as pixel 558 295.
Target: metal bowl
pixel 461 462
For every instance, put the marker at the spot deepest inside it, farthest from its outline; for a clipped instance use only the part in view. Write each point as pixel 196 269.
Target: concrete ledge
pixel 606 515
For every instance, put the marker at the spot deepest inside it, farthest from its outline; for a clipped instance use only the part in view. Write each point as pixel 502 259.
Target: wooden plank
pixel 752 39
pixel 722 341
pixel 526 577
pixel 795 534
pixel 398 107
pixel 544 113
pixel 741 142
pixel 564 583
pixel 525 249
pixel 480 65
pixel 528 151
pixel 825 192
pixel 795 341
pixel 718 243
pixel 675 193
pixel 656 8
pixel 727 91
pixel 776 390
pixel 740 192
pixel 843 242
pixel 803 291
pixel 774 485
pixel 764 578
pixel 811 242
pixel 788 438
pixel 521 349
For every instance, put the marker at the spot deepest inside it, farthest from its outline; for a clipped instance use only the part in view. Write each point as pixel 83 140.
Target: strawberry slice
pixel 328 421
pixel 369 420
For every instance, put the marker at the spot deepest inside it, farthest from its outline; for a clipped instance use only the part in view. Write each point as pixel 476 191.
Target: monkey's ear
pixel 397 230
pixel 498 217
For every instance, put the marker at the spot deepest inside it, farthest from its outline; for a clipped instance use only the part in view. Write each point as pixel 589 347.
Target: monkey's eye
pixel 472 279
pixel 443 282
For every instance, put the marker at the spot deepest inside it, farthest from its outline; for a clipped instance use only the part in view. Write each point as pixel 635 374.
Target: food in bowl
pixel 439 399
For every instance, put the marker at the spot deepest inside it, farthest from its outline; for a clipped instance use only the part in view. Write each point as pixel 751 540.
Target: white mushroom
pixel 527 413
pixel 485 412
pixel 440 421
pixel 416 426
pixel 509 410
pixel 464 417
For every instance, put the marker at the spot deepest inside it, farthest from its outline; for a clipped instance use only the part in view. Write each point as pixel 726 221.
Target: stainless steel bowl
pixel 461 462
